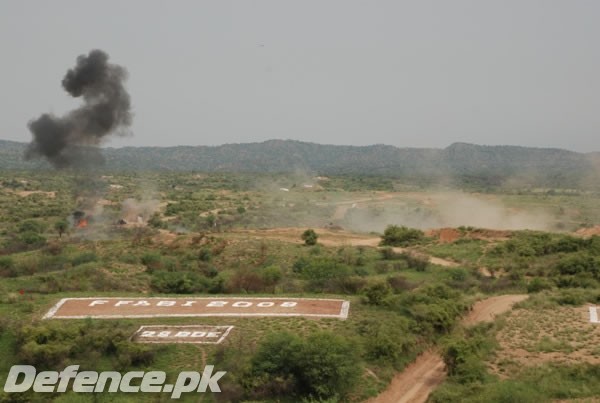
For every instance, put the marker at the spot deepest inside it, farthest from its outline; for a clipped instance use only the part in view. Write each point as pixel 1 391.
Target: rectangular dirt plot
pixel 197 334
pixel 113 307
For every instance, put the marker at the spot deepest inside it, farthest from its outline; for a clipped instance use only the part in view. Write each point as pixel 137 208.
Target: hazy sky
pixel 407 73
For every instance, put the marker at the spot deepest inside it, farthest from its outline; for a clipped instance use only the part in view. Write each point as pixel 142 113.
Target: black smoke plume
pixel 72 139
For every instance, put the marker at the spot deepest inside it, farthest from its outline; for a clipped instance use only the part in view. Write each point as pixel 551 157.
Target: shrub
pixel 578 263
pixel 382 267
pixel 204 255
pixel 389 341
pixel 399 283
pixel 309 237
pixel 7 267
pixel 246 280
pixel 84 257
pixel 401 236
pixel 465 356
pixel 329 366
pixel 377 293
pixel 32 238
pixel 324 365
pixel 152 261
pixel 388 253
pixel 418 263
pixel 271 275
pixel 537 285
pixel 182 283
pixel 300 264
pixel 31 226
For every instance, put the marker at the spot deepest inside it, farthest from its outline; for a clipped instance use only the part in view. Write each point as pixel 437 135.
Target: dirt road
pixel 420 378
pixel 416 382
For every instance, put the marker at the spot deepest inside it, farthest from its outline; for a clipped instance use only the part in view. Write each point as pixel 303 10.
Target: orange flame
pixel 82 223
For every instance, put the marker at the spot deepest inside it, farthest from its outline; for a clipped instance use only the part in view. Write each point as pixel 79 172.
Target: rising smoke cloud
pixel 72 139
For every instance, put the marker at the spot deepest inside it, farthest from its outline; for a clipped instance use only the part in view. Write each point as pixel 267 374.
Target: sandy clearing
pixel 486 310
pixel 562 335
pixel 25 193
pixel 420 378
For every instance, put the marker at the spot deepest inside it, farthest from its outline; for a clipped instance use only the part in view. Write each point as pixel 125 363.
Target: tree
pixel 61 227
pixel 309 237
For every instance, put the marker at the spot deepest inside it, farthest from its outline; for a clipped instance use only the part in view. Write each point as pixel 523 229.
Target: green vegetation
pixel 401 236
pixel 468 353
pixel 205 235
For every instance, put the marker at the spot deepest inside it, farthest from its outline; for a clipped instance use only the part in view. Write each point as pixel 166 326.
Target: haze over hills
pixel 459 163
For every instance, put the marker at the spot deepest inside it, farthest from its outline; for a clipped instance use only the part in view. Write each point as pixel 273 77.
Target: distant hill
pixel 459 163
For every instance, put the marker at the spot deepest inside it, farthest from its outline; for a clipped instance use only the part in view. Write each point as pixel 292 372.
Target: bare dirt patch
pixel 445 235
pixel 449 235
pixel 326 237
pixel 537 336
pixel 486 310
pixel 588 232
pixel 25 193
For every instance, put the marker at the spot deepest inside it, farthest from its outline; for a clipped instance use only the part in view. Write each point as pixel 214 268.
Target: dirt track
pixel 420 378
pixel 332 238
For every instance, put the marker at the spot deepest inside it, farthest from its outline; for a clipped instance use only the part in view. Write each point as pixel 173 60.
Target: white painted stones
pixel 196 334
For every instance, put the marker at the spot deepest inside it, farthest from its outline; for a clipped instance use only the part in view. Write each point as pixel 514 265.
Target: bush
pixel 32 238
pixel 329 366
pixel 399 283
pixel 84 257
pixel 325 274
pixel 246 280
pixel 434 308
pixel 323 366
pixel 7 267
pixel 578 263
pixel 184 283
pixel 31 226
pixel 387 253
pixel 300 264
pixel 465 356
pixel 377 293
pixel 270 276
pixel 51 344
pixel 575 297
pixel 152 261
pixel 309 237
pixel 537 285
pixel 418 263
pixel 390 341
pixel 401 236
pixel 205 255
